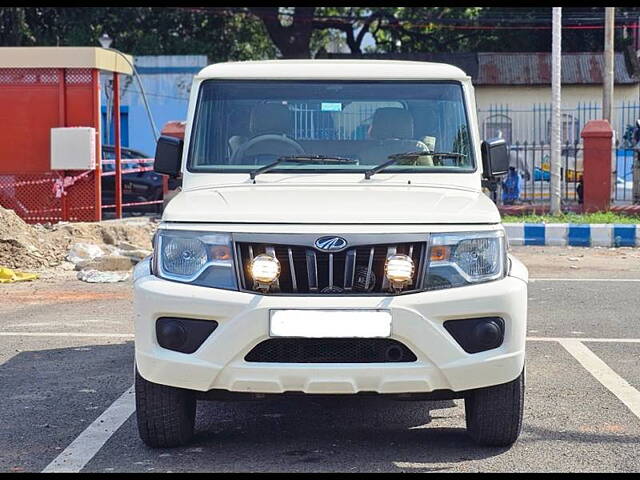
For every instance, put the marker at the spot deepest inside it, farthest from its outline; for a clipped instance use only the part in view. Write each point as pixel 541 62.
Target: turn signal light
pixel 439 253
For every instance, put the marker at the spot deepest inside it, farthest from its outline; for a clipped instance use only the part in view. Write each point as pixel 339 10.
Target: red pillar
pixel 62 122
pixel 116 139
pixel 95 81
pixel 597 136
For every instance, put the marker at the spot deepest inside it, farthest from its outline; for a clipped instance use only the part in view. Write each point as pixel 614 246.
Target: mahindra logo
pixel 331 244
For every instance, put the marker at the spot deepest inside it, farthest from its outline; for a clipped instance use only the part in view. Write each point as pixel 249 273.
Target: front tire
pixel 494 414
pixel 166 415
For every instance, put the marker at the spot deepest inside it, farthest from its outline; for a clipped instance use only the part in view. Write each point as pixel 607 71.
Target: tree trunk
pixel 293 41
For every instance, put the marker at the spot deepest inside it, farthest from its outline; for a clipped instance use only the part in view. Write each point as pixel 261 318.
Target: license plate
pixel 330 323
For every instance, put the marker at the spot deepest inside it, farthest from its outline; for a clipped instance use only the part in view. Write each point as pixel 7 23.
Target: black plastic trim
pixel 196 332
pixel 463 333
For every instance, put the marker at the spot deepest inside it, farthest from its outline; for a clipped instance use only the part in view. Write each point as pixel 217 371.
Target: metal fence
pixel 320 122
pixel 623 172
pixel 533 123
pixel 530 181
pixel 531 162
pixel 528 131
pixel 49 197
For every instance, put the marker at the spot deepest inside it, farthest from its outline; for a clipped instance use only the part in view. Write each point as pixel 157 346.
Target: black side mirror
pixel 168 156
pixel 495 157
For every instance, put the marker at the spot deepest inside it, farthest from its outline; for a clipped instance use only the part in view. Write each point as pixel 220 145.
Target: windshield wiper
pixel 310 159
pixel 409 155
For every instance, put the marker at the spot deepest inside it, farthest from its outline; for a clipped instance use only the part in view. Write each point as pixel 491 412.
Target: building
pixel 167 84
pixel 513 90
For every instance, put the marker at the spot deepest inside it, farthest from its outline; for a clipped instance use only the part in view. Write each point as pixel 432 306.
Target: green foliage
pixel 242 33
pixel 139 30
pixel 415 29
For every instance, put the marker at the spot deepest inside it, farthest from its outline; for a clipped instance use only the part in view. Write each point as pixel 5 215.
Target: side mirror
pixel 168 156
pixel 495 157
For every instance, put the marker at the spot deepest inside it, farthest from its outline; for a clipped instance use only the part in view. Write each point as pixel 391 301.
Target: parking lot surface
pixel 66 368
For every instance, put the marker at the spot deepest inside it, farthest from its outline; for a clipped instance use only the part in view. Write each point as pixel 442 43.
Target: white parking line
pixel 604 374
pixel 585 339
pixel 80 452
pixel 88 443
pixel 65 334
pixel 628 280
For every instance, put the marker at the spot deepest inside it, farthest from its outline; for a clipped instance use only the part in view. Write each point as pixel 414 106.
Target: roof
pixel 524 68
pixel 348 69
pixel 535 69
pixel 65 57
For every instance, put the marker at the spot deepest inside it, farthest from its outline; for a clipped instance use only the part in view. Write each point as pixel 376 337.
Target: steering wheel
pixel 270 144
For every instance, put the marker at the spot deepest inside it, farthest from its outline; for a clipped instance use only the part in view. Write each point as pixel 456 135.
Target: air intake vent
pixel 330 350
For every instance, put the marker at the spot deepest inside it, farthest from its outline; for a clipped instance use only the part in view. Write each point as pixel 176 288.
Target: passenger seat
pixel 392 128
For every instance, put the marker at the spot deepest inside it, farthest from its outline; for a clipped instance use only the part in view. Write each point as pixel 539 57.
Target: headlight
pixel 458 259
pixel 200 258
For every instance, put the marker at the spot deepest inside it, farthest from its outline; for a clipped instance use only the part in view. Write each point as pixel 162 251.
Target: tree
pixel 244 33
pixel 298 32
pixel 138 30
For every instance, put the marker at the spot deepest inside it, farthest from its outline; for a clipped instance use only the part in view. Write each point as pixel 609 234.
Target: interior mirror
pixel 495 157
pixel 168 156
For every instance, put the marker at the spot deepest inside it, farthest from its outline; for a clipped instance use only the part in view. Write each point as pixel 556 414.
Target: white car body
pixel 339 204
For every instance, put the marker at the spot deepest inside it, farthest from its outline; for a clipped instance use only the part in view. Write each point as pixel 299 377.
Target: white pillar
pixel 607 94
pixel 556 115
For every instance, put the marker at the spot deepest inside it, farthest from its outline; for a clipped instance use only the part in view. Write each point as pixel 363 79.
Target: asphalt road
pixel 66 356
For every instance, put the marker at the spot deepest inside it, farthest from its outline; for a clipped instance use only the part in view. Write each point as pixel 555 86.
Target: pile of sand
pixel 34 247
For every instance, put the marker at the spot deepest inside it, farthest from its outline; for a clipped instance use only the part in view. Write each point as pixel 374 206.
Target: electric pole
pixel 607 94
pixel 556 103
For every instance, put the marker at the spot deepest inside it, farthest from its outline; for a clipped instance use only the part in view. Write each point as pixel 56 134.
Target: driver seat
pixel 392 130
pixel 270 119
pixel 270 125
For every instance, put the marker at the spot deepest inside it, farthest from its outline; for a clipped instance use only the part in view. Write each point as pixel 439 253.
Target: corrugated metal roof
pixel 520 68
pixel 535 69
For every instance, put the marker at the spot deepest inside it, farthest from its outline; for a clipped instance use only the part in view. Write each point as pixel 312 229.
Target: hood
pixel 332 204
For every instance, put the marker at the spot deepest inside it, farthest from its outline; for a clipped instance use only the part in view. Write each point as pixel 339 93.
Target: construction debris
pixel 65 245
pixel 94 276
pixel 8 275
pixel 107 263
pixel 83 252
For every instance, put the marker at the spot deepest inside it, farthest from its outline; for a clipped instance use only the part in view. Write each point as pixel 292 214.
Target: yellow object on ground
pixel 8 275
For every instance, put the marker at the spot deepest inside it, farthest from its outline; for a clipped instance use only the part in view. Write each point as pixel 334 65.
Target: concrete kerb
pixel 573 234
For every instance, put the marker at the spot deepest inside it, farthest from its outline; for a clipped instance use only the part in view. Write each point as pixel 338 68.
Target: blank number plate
pixel 330 323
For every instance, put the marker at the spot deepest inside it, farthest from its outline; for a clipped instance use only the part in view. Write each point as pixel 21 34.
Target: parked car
pixel 357 256
pixel 136 186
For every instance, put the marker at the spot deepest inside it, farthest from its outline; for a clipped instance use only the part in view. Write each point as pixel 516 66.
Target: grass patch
pixel 598 217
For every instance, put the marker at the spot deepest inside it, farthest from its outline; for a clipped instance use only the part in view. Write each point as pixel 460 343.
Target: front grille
pixel 356 270
pixel 330 350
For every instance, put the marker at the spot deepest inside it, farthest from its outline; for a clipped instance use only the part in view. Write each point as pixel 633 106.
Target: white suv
pixel 331 237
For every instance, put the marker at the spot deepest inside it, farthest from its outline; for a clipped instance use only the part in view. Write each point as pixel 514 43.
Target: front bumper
pixel 243 320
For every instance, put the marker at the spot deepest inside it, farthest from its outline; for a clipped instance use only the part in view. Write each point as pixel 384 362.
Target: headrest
pixel 391 122
pixel 270 118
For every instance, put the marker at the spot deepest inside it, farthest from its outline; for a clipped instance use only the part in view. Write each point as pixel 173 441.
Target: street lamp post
pixel 105 40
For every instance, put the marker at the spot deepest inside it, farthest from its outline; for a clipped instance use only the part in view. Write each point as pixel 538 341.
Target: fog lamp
pixel 265 270
pixel 399 271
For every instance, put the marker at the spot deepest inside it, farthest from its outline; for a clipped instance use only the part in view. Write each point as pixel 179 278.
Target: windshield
pixel 241 125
